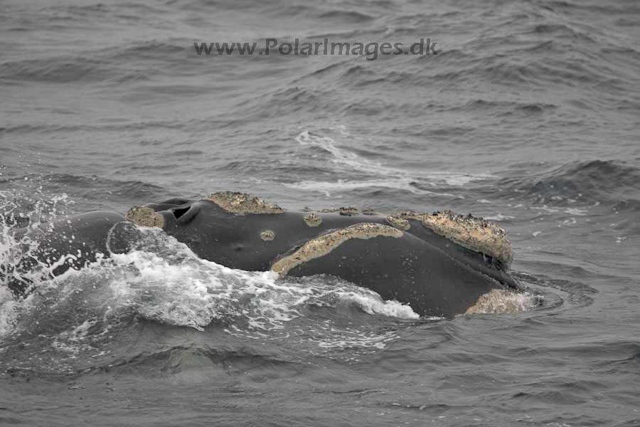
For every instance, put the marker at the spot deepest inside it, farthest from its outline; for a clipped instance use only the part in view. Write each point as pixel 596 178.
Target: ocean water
pixel 528 115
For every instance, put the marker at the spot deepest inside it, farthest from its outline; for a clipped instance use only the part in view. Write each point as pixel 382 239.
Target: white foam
pixel 170 284
pixel 577 211
pixel 568 211
pixel 347 162
pixel 342 340
pixel 9 311
pixel 164 281
pixel 371 303
pixel 11 250
pixel 498 217
pixel 327 188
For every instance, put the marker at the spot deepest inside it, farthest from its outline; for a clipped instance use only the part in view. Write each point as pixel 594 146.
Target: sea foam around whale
pixel 164 281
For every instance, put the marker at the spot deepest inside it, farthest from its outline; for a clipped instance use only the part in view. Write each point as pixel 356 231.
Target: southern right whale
pixel 441 264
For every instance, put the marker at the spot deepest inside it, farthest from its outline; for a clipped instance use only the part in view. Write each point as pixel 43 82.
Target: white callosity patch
pixel 313 219
pixel 325 243
pixel 473 233
pixel 502 301
pixel 145 217
pixel 467 231
pixel 267 235
pixel 242 204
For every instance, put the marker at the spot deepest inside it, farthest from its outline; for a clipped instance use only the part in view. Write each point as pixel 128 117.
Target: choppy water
pixel 528 115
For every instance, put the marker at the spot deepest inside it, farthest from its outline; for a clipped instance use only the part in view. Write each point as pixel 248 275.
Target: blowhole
pixel 178 212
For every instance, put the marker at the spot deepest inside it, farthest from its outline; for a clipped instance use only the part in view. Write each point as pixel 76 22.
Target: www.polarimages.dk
pixel 272 46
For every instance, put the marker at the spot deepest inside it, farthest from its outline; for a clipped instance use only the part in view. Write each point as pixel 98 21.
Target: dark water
pixel 529 115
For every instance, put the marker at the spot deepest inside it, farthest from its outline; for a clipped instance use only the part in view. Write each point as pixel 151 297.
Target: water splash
pixel 164 281
pixel 78 315
pixel 27 212
pixel 172 285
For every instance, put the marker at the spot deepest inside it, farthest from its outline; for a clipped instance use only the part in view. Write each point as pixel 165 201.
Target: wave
pixel 57 70
pixel 329 188
pixel 361 172
pixel 131 64
pixel 349 16
pixel 595 181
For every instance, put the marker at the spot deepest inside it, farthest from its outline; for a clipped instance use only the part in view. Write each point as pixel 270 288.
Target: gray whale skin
pixel 438 263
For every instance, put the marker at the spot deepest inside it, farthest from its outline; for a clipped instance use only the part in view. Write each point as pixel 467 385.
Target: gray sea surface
pixel 529 115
